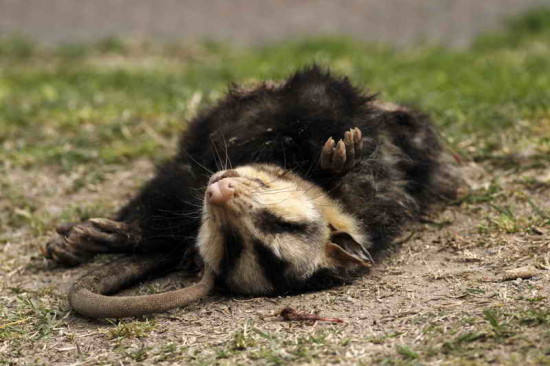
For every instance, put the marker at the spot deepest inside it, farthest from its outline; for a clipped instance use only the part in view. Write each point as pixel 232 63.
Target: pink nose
pixel 221 191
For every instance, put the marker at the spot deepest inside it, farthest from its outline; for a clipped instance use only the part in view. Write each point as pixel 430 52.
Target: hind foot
pixel 77 243
pixel 339 158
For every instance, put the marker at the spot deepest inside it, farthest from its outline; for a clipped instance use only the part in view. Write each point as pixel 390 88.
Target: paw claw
pixel 99 221
pixel 326 153
pixel 350 149
pixel 358 133
pixel 358 140
pixel 77 231
pixel 65 257
pixel 348 137
pixel 109 225
pixel 338 158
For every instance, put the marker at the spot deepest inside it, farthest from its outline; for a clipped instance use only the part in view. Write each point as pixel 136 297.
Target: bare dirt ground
pixel 438 298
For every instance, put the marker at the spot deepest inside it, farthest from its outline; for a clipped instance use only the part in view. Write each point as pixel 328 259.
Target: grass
pixel 109 105
pixel 32 315
pixel 137 329
pixel 78 119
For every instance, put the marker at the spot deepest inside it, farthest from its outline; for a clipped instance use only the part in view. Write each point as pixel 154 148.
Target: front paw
pixel 77 243
pixel 339 158
pixel 61 253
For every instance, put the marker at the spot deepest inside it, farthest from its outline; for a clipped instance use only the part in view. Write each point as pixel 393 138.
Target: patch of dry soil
pixel 437 299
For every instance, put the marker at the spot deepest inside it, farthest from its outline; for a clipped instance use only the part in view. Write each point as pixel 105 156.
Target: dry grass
pixel 438 299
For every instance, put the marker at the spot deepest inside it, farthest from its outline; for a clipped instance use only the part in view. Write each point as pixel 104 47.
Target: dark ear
pixel 350 245
pixel 340 258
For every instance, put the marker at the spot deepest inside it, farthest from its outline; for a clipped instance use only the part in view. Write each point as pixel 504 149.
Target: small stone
pixel 537 231
pixel 524 272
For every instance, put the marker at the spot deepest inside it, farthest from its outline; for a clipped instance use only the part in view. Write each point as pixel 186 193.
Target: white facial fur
pixel 284 195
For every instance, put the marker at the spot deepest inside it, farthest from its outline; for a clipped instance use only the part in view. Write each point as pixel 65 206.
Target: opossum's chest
pixel 232 257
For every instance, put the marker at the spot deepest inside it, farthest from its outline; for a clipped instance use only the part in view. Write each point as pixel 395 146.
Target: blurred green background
pixel 116 100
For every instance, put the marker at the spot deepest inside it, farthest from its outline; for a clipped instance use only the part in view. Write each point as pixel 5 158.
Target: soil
pixel 438 298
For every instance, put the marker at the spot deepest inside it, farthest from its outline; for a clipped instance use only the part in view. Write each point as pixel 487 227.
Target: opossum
pixel 299 183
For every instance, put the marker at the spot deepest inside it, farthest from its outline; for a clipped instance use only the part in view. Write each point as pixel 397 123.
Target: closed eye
pixel 270 223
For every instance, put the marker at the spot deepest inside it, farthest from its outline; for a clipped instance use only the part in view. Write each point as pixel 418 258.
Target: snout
pixel 221 191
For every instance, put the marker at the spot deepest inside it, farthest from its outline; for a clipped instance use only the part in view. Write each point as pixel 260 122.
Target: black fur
pixel 233 248
pixel 287 126
pixel 275 270
pixel 273 267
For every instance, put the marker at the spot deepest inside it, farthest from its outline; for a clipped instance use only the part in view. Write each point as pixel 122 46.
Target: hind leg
pixel 77 243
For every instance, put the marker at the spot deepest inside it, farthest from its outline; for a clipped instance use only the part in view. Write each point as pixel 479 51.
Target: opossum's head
pixel 265 231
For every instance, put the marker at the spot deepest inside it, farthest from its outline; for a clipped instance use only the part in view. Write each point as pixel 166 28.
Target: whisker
pixel 227 159
pixel 196 162
pixel 217 156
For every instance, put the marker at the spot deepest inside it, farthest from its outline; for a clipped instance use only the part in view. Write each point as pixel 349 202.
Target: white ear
pixel 348 243
pixel 340 258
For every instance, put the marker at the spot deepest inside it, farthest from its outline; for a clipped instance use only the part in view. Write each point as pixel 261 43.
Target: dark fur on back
pixel 399 174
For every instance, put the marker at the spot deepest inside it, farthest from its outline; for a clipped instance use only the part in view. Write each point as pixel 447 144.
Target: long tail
pixel 88 295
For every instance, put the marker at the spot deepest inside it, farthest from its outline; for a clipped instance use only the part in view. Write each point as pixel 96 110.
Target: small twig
pixel 403 241
pixel 438 224
pixel 14 323
pixel 289 314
